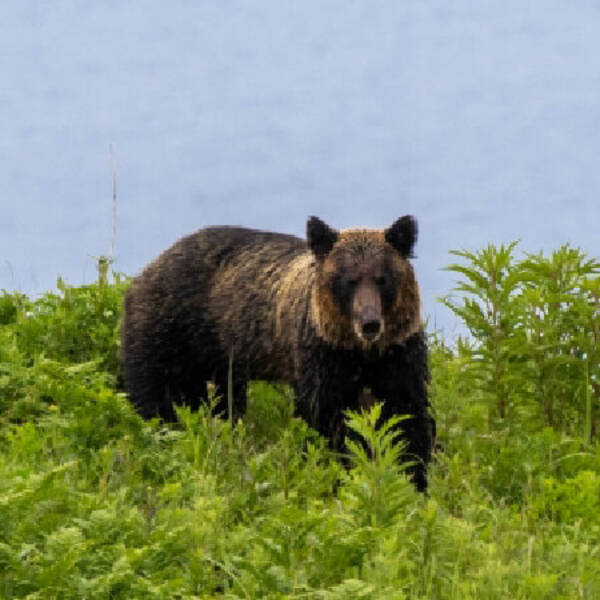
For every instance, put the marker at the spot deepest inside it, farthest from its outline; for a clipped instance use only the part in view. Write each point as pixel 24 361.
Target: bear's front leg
pixel 400 378
pixel 328 383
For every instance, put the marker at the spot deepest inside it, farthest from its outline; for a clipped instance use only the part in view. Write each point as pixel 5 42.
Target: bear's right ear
pixel 320 237
pixel 402 235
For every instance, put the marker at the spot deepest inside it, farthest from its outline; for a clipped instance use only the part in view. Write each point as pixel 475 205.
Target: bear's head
pixel 366 294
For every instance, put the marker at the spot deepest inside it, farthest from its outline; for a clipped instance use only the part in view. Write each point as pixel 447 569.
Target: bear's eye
pixel 381 281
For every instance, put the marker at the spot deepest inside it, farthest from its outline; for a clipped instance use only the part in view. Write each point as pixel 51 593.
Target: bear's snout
pixel 371 328
pixel 367 317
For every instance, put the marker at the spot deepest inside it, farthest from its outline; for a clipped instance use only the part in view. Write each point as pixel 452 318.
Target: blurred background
pixel 480 118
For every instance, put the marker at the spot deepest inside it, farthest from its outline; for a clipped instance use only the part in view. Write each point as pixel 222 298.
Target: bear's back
pixel 212 248
pixel 194 259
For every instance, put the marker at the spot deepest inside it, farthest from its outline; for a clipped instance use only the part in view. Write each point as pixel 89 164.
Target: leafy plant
pixel 97 503
pixel 535 325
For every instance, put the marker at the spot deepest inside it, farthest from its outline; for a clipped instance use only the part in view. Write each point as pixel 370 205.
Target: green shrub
pixel 97 503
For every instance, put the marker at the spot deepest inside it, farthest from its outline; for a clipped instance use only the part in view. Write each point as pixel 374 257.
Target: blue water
pixel 480 118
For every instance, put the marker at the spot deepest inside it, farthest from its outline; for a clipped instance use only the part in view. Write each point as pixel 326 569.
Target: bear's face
pixel 366 294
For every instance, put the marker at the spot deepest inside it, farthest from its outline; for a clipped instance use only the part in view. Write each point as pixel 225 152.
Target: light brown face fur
pixel 366 294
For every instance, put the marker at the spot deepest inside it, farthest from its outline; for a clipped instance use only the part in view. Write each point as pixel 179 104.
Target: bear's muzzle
pixel 367 318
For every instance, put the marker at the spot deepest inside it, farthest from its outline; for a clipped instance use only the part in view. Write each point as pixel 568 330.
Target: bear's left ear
pixel 402 235
pixel 320 237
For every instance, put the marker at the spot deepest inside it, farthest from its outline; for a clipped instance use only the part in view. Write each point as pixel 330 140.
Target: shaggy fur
pixel 331 318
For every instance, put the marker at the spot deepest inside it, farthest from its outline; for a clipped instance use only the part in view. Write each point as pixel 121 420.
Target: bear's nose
pixel 371 328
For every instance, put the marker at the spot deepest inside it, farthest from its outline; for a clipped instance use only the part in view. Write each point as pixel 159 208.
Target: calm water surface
pixel 481 118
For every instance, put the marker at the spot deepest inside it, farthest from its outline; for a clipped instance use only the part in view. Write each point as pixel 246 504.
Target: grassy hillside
pixel 96 503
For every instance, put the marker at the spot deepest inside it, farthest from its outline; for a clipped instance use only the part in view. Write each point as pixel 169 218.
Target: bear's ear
pixel 402 235
pixel 320 237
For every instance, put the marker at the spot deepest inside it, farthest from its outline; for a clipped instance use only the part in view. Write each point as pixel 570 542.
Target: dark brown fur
pixel 279 306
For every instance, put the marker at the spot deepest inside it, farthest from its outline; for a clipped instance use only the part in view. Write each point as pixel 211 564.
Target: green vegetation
pixel 96 503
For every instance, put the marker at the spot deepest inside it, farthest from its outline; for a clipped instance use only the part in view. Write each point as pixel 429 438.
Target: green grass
pixel 96 503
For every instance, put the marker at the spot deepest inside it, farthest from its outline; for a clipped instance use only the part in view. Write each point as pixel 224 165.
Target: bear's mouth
pixel 368 327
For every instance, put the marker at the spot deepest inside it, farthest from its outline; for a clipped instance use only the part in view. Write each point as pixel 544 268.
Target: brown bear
pixel 330 316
